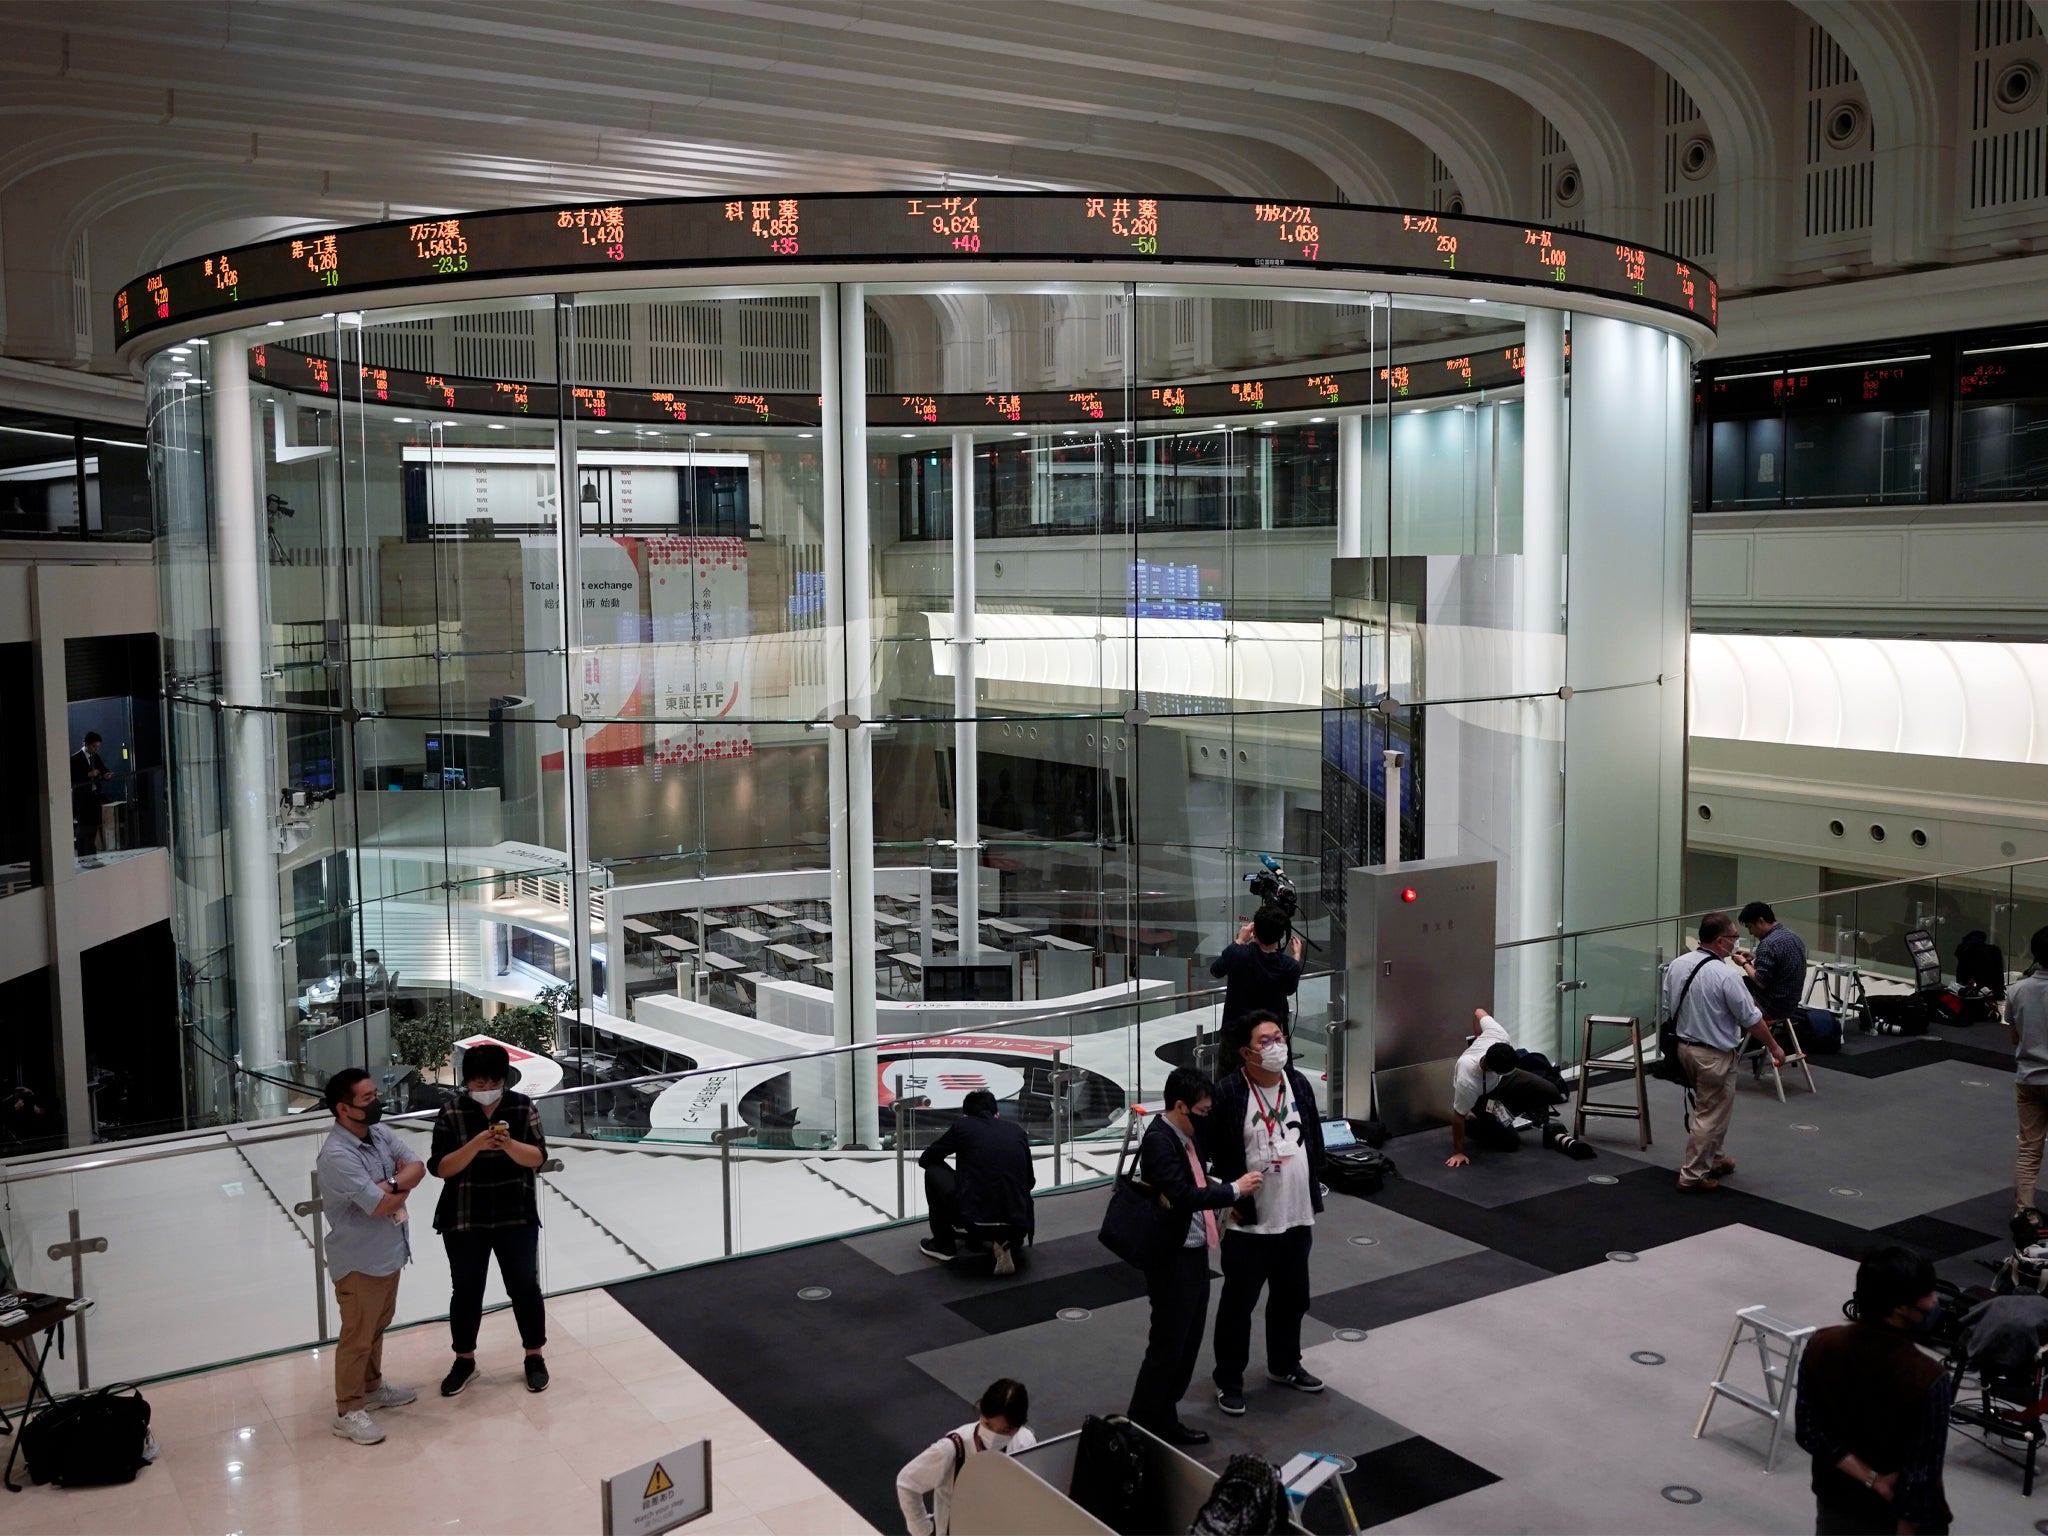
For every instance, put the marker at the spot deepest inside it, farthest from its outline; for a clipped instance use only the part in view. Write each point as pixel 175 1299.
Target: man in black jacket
pixel 1257 973
pixel 1177 1283
pixel 1265 1120
pixel 988 1187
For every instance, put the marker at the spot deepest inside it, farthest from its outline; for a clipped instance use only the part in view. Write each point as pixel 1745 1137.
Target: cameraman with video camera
pixel 1258 972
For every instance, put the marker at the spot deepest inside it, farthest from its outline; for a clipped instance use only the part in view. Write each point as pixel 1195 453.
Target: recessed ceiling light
pixel 447 423
pixel 807 434
pixel 1020 434
pixel 703 434
pixel 1318 418
pixel 180 351
pixel 1475 301
pixel 604 431
pixel 497 426
pixel 181 374
pixel 189 341
pixel 1220 427
pixel 910 434
pixel 403 421
pixel 273 322
pixel 1073 431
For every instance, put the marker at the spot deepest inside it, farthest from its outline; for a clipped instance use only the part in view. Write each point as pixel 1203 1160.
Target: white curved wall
pixel 1979 699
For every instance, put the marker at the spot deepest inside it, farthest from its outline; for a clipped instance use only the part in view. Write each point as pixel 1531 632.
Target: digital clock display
pixel 885 227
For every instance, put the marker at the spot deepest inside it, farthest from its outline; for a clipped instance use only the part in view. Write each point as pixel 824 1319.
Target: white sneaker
pixel 357 1426
pixel 2035 1253
pixel 390 1394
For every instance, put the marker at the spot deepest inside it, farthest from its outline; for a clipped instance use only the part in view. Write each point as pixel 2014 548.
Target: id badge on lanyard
pixel 1272 1121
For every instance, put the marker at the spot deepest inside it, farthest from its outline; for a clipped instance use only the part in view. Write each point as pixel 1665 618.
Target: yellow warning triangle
pixel 659 1483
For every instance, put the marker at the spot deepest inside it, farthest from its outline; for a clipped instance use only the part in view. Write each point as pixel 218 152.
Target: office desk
pixel 814 927
pixel 774 914
pixel 1053 941
pixel 674 945
pixel 636 927
pixel 723 964
pixel 890 922
pixel 747 937
pixel 795 958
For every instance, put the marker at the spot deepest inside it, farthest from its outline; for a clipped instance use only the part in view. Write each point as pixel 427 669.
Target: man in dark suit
pixel 89 778
pixel 988 1188
pixel 1177 1281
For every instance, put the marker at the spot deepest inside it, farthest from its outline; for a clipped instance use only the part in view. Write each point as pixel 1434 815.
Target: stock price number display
pixel 877 228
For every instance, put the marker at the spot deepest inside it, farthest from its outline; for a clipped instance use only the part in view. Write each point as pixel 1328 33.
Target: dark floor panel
pixel 1006 1307
pixel 1396 1480
pixel 1934 1237
pixel 1977 1048
pixel 1378 1303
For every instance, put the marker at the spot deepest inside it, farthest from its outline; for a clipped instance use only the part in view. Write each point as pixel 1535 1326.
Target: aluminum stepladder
pixel 1759 1058
pixel 1585 1105
pixel 1780 1346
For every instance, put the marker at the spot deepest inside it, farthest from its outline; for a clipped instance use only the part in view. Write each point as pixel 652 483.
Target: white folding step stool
pixel 1780 1346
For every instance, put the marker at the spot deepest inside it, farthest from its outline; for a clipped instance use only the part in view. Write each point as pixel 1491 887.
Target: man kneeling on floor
pixel 987 1192
pixel 932 1471
pixel 1491 1089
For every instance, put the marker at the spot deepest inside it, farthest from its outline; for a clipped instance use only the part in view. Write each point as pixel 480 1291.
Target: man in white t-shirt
pixel 932 1471
pixel 1264 1118
pixel 1490 1090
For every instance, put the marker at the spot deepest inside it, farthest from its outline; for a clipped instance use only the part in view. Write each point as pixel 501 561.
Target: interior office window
pixel 1856 433
pixel 2002 423
pixel 39 491
pixel 1746 441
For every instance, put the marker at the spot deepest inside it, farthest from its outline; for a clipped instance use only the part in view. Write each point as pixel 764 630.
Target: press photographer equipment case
pixel 1913 1013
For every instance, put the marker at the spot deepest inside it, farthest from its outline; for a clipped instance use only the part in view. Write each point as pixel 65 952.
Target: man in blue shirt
pixel 365 1172
pixel 1711 1005
pixel 1777 968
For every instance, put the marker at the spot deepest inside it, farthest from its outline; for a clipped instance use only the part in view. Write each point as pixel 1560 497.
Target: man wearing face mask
pixel 1000 1428
pixel 487 1146
pixel 1265 1121
pixel 1873 1408
pixel 365 1174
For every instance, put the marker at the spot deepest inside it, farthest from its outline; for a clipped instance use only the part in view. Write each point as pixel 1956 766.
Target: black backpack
pixel 1248 1500
pixel 81 1442
pixel 1109 1472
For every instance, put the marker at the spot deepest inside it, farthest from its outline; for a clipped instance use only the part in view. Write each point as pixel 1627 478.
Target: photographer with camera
pixel 1259 975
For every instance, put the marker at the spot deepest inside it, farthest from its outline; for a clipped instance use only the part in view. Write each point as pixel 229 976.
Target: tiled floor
pixel 248 1449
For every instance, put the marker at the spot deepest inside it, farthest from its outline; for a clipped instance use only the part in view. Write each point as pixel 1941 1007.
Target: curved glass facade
pixel 735 657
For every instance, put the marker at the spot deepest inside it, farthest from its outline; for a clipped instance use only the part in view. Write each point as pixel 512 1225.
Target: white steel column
pixel 576 741
pixel 1536 899
pixel 243 536
pixel 1350 485
pixel 966 728
pixel 849 662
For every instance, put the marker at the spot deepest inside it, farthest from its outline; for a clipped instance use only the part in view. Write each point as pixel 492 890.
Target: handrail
pixel 57 1165
pixel 1847 890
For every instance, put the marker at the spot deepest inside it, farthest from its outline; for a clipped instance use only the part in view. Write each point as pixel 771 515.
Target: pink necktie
pixel 1202 1182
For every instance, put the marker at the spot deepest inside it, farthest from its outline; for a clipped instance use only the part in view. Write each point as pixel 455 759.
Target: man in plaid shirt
pixel 487 1145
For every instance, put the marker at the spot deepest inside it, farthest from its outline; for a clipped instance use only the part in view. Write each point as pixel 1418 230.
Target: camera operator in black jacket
pixel 1177 1283
pixel 1258 973
pixel 1265 1119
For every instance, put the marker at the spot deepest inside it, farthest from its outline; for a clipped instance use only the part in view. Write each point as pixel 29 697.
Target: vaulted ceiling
pixel 1777 143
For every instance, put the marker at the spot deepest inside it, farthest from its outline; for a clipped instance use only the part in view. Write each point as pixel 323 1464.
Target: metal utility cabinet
pixel 1419 959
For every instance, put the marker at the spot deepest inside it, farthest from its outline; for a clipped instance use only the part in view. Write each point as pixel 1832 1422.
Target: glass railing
pixel 212 1239
pixel 1855 937
pixel 206 1248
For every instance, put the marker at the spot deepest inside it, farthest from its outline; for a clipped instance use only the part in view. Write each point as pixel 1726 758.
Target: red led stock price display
pixel 878 228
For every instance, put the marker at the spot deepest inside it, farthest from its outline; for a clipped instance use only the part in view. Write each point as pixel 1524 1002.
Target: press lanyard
pixel 1270 1118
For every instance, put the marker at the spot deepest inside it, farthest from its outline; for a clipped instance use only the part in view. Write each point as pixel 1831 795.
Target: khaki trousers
pixel 367 1305
pixel 1713 1102
pixel 2026 1168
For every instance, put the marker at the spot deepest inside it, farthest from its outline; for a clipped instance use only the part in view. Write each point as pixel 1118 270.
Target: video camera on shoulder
pixel 1270 884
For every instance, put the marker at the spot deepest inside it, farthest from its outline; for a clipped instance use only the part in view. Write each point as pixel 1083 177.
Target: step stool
pixel 1633 1063
pixel 1759 1059
pixel 1780 1346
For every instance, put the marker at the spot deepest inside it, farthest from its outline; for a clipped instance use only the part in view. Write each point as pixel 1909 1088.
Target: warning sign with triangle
pixel 658 1483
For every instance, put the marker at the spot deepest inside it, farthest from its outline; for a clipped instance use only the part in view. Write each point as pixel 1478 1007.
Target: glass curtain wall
pixel 684 677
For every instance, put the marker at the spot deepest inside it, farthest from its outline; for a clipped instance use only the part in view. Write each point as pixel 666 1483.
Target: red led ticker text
pixel 1249 392
pixel 1459 366
pixel 1634 264
pixel 1396 379
pixel 1431 229
pixel 678 410
pixel 1326 386
pixel 159 295
pixel 121 307
pixel 322 256
pixel 774 220
pixel 514 391
pixel 434 381
pixel 225 278
pixel 758 404
pixel 1090 404
pixel 317 367
pixel 1009 407
pixel 594 400
pixel 1980 378
pixel 604 228
pixel 1173 399
pixel 955 219
pixel 1551 256
pixel 1137 219
pixel 1875 379
pixel 923 407
pixel 1297 223
pixel 377 381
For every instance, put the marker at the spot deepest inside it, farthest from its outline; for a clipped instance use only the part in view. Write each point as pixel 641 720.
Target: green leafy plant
pixel 429 1040
pixel 529 1026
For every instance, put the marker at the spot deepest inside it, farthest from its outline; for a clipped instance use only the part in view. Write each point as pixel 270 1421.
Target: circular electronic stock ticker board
pixel 962 228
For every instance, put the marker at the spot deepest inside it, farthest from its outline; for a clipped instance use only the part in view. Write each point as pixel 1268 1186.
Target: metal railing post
pixel 725 1169
pixel 75 1251
pixel 312 1209
pixel 902 1208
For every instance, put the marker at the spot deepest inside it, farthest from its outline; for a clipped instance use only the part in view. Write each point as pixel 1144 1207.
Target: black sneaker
pixel 932 1250
pixel 537 1374
pixel 1231 1401
pixel 460 1375
pixel 1298 1378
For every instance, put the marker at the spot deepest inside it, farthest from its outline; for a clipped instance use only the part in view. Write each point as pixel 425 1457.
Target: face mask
pixel 486 1097
pixel 994 1441
pixel 1274 1056
pixel 371 1112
